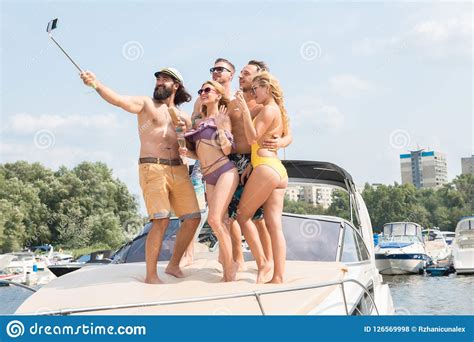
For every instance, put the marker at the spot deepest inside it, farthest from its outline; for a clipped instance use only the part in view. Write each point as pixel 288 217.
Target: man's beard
pixel 246 88
pixel 162 93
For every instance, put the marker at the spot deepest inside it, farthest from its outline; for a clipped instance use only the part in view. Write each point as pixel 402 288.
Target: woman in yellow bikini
pixel 268 180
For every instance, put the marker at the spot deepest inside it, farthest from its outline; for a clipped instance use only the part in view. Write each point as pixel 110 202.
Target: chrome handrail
pixel 10 282
pixel 256 294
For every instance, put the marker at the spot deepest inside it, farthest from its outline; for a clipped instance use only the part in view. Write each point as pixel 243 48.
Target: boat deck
pixel 89 290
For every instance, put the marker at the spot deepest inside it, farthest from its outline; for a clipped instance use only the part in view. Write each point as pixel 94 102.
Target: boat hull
pixel 464 262
pixel 393 264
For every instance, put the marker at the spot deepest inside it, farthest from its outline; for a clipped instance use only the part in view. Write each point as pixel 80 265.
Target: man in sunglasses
pixel 222 72
pixel 241 157
pixel 163 177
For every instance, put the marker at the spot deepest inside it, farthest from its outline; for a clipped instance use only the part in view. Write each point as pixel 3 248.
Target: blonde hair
pixel 265 78
pixel 224 101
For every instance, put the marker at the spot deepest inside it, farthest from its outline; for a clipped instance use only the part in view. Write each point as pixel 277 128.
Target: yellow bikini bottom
pixel 272 162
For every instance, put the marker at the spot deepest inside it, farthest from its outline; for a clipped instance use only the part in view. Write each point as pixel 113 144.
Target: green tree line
pixel 441 207
pixel 85 206
pixel 75 208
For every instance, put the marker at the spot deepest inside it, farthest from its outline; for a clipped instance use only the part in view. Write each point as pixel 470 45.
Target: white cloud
pixel 437 31
pixel 436 36
pixel 347 85
pixel 28 123
pixel 53 156
pixel 312 112
pixel 443 37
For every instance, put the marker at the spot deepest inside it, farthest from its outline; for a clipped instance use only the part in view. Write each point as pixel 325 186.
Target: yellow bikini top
pixel 272 131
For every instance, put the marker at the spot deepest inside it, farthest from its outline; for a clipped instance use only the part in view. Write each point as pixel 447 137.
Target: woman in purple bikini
pixel 211 142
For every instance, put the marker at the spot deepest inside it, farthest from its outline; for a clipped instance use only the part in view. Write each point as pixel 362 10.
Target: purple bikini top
pixel 207 130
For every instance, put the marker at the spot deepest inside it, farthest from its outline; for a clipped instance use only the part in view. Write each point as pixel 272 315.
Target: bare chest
pixel 155 122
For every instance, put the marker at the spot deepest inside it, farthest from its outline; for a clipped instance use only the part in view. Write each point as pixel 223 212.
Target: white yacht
pixel 21 262
pixel 436 246
pixel 463 246
pixel 448 236
pixel 330 271
pixel 401 249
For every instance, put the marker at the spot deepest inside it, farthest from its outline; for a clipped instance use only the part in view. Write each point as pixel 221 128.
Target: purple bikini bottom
pixel 212 177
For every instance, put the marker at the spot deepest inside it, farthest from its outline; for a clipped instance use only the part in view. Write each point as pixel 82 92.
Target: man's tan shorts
pixel 168 188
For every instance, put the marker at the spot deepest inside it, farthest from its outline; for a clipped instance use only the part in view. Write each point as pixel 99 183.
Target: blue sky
pixel 363 81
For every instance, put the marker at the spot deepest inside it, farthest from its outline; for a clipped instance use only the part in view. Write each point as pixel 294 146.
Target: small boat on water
pixel 440 269
pixel 463 246
pixel 448 237
pixel 330 271
pixel 25 267
pixel 401 249
pixel 5 260
pixel 436 246
pixel 103 257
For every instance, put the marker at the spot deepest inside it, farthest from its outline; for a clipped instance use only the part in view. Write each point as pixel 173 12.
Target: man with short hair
pixel 241 156
pixel 222 72
pixel 260 65
pixel 163 177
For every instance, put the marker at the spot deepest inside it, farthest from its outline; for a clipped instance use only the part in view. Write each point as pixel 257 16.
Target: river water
pixel 426 295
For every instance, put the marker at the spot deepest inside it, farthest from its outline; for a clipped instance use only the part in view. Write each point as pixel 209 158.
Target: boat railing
pixel 11 282
pixel 256 294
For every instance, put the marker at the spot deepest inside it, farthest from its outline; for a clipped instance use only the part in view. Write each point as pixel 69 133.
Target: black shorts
pixel 241 161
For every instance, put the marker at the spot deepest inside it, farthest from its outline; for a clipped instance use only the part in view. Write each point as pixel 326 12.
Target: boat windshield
pixel 400 238
pixel 307 239
pixel 134 251
pixel 402 228
pixel 467 224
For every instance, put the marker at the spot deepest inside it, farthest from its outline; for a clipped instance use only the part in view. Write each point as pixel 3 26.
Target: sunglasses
pixel 253 90
pixel 218 69
pixel 206 90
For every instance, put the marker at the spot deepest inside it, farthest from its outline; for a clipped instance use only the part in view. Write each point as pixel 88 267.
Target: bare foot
pixel 242 267
pixel 231 274
pixel 185 262
pixel 175 271
pixel 275 280
pixel 263 273
pixel 153 280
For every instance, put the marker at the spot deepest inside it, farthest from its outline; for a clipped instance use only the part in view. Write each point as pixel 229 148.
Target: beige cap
pixel 171 72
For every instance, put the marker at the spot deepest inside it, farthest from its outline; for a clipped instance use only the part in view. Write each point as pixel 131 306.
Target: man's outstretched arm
pixel 132 104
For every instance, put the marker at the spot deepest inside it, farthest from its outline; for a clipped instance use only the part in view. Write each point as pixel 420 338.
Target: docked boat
pixel 96 258
pixel 401 249
pixel 21 262
pixel 330 271
pixel 436 246
pixel 5 260
pixel 448 236
pixel 5 275
pixel 463 246
pixel 25 268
